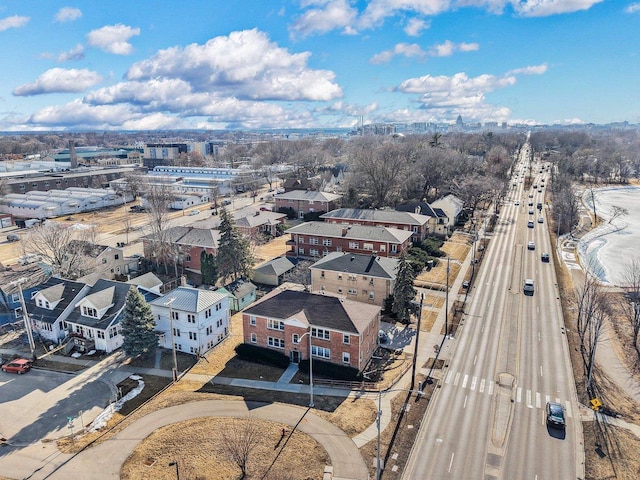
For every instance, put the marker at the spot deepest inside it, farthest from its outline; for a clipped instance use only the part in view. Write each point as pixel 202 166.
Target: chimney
pixel 183 281
pixel 73 158
pixel 344 230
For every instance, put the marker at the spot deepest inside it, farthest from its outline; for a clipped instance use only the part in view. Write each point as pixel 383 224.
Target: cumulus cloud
pixel 324 16
pixel 13 22
pixel 68 14
pixel 59 80
pixel 545 8
pixel 349 109
pixel 414 50
pixel 113 38
pixel 76 53
pixel 530 70
pixel 245 64
pixel 415 26
pixel 633 8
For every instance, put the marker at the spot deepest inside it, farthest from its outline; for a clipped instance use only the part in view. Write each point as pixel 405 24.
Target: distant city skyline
pixel 240 64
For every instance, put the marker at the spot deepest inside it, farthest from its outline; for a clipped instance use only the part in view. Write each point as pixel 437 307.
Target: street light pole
pixel 415 350
pixel 446 302
pixel 175 463
pixel 25 316
pixel 173 344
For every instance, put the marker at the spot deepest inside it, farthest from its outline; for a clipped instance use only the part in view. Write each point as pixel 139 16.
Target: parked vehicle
pixel 12 237
pixel 19 366
pixel 194 212
pixel 29 258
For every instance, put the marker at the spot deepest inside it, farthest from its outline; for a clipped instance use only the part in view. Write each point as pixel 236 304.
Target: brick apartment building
pixel 317 239
pixel 306 201
pixel 341 331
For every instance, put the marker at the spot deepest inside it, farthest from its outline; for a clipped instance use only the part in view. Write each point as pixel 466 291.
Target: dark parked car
pixel 545 257
pixel 19 366
pixel 555 415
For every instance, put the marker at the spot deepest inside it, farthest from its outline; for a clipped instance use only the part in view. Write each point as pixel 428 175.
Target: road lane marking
pixel 538 400
pixel 519 394
pixel 481 389
pixel 547 399
pixel 465 401
pixel 539 337
pixel 464 381
pixel 473 383
pixel 491 385
pixel 457 379
pixel 529 399
pixel 567 406
pixel 541 370
pixel 451 462
pixel 448 378
pixel 475 359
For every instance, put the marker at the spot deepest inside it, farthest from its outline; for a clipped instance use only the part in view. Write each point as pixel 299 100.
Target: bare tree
pixel 617 212
pixel 158 198
pixel 631 303
pixel 239 441
pixel 301 274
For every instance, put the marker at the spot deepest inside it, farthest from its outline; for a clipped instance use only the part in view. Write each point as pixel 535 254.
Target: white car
pixel 194 212
pixel 531 245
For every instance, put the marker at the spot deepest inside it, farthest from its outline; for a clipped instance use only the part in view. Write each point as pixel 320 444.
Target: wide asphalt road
pixel 487 420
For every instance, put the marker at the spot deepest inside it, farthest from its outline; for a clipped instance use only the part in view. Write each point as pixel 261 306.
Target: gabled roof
pixel 65 292
pixel 103 293
pixel 385 216
pixel 189 299
pixel 369 265
pixel 422 208
pixel 239 288
pixel 194 237
pixel 309 196
pixel 276 267
pixel 449 201
pixel 354 232
pixel 87 248
pixel 315 309
pixel 148 280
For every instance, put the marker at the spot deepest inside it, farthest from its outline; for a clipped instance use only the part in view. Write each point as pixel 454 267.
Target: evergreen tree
pixel 208 268
pixel 138 326
pixel 234 258
pixel 403 290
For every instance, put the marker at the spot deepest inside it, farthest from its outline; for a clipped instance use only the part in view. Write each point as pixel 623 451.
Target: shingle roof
pixel 319 310
pixel 148 280
pixel 371 265
pixel 54 289
pixel 240 288
pixel 197 237
pixel 354 232
pixel 189 299
pixel 388 216
pixel 422 208
pixel 277 266
pixel 309 195
pixel 115 293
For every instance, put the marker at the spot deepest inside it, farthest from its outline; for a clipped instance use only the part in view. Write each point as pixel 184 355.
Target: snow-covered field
pixel 606 250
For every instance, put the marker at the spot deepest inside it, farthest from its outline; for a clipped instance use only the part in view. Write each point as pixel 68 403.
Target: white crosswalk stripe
pixel 473 383
pixel 481 389
pixel 529 398
pixel 448 377
pixel 519 394
pixel 567 407
pixel 538 403
pixel 492 384
pixel 455 381
pixel 464 382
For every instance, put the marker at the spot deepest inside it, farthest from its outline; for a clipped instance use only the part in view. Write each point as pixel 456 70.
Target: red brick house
pixel 419 225
pixel 302 201
pixel 187 244
pixel 250 221
pixel 341 331
pixel 317 239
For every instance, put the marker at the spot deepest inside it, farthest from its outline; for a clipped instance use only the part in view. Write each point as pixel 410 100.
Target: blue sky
pixel 212 64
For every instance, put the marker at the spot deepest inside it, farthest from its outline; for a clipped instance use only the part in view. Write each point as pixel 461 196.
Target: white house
pixel 199 319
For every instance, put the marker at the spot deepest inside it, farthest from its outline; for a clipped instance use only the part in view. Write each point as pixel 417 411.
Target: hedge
pixel 331 370
pixel 262 355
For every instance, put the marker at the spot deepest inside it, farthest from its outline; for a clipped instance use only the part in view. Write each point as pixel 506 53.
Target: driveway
pixel 42 405
pixel 105 460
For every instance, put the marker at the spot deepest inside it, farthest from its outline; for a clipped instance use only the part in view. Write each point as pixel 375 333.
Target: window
pixel 116 256
pixel 15 298
pixel 346 339
pixel 175 315
pixel 313 241
pixel 275 325
pixel 320 352
pixel 252 320
pixel 354 245
pixel 346 358
pixel 326 242
pixel 176 332
pixel 371 295
pixel 89 312
pixel 368 246
pixel 352 291
pixel 301 251
pixel 275 342
pixel 254 338
pixel 383 248
pixel 104 260
pixel 295 338
pixel 100 334
pixel 394 248
pixel 18 312
pixel 314 252
pixel 339 289
pixel 300 239
pixel 191 318
pixel 320 333
pixel 193 336
pixel 113 331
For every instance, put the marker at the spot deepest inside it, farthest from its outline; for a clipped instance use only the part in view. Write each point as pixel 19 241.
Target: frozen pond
pixel 608 249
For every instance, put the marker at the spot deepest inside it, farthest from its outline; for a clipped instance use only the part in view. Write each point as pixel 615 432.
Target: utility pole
pixel 25 316
pixel 173 344
pixel 415 350
pixel 446 302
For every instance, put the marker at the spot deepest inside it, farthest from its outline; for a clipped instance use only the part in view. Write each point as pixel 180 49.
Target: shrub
pixel 432 246
pixel 331 370
pixel 290 212
pixel 313 216
pixel 266 356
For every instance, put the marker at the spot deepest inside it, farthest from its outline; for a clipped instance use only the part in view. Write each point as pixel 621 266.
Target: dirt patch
pixel 429 317
pixel 274 456
pixel 611 452
pixel 270 250
pixel 216 359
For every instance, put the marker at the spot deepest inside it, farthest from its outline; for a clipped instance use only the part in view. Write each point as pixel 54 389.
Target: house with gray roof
pixel 272 272
pixel 438 219
pixel 94 323
pixel 452 206
pixel 251 221
pixel 415 223
pixel 317 239
pixel 241 293
pixel 195 319
pixel 339 330
pixel 50 304
pixel 306 201
pixel 363 278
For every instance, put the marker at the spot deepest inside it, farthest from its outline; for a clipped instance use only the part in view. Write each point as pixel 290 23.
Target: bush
pixel 313 216
pixel 331 370
pixel 432 246
pixel 265 356
pixel 290 212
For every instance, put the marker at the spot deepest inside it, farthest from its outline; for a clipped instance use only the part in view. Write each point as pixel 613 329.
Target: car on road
pixel 19 366
pixel 530 224
pixel 531 212
pixel 555 415
pixel 516 203
pixel 545 257
pixel 540 220
pixel 528 287
pixel 265 209
pixel 531 245
pixel 531 195
pixel 137 208
pixel 194 212
pixel 226 202
pixel 12 237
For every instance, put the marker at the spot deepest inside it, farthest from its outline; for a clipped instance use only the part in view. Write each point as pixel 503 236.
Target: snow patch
pixel 102 419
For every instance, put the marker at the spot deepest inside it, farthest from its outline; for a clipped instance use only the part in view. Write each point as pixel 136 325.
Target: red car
pixel 19 366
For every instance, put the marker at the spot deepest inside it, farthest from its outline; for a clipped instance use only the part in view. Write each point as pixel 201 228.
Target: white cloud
pixel 544 8
pixel 349 109
pixel 76 53
pixel 633 8
pixel 415 26
pixel 530 70
pixel 68 14
pixel 323 17
pixel 377 10
pixel 113 38
pixel 59 80
pixel 245 64
pixel 13 22
pixel 414 50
